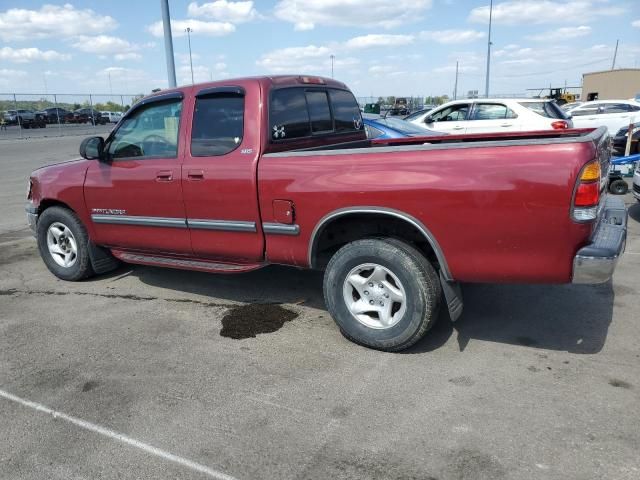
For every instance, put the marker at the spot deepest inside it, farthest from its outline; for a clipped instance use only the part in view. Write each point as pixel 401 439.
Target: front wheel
pixel 382 293
pixel 63 243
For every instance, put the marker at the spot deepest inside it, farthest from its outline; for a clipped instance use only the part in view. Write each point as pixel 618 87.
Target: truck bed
pixel 478 139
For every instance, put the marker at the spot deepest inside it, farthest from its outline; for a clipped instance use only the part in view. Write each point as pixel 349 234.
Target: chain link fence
pixel 52 115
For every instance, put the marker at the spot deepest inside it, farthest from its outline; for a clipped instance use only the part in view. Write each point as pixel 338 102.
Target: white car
pixel 613 114
pixel 112 117
pixel 493 115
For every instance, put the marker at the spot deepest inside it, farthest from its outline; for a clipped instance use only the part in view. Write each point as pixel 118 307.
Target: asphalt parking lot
pixel 154 373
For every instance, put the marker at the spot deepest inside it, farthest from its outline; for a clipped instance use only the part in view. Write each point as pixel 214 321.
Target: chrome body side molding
pixel 225 225
pixel 280 229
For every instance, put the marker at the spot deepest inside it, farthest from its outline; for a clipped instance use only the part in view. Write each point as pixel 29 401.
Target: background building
pixel 611 84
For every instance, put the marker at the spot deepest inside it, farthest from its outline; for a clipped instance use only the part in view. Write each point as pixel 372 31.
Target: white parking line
pixel 118 436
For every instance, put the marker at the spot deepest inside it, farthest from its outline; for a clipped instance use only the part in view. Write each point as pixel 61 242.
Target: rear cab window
pixel 546 109
pixel 303 112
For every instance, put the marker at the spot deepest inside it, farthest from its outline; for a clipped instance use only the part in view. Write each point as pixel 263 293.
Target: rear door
pixel 219 175
pixel 492 117
pixel 451 119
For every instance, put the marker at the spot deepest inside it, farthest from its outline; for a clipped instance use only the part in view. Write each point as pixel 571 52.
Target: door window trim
pixel 142 103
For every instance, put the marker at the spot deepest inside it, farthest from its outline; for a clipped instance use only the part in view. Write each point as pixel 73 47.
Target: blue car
pixel 379 127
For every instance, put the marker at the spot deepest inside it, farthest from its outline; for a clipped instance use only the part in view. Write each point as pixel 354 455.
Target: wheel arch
pixel 376 214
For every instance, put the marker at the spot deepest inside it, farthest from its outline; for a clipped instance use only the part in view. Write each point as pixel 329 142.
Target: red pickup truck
pixel 230 176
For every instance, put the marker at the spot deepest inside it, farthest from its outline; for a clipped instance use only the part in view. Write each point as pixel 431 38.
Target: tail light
pixel 560 125
pixel 587 193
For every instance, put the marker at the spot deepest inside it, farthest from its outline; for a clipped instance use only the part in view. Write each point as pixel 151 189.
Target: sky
pixel 380 47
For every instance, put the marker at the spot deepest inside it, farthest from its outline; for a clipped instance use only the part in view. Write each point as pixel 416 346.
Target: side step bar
pixel 184 263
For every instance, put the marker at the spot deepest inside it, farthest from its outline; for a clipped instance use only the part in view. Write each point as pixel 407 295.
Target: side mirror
pixel 428 119
pixel 92 148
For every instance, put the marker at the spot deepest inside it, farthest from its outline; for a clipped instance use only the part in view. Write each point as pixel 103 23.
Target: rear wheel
pixel 618 187
pixel 63 244
pixel 382 293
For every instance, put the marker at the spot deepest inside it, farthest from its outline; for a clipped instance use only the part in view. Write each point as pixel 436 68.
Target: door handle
pixel 195 175
pixel 458 127
pixel 506 125
pixel 164 176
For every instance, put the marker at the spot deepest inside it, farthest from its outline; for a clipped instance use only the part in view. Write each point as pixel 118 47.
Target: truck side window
pixel 149 132
pixel 288 114
pixel 346 111
pixel 319 111
pixel 218 124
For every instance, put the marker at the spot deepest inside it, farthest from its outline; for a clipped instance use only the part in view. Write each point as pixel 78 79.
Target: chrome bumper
pixel 32 217
pixel 596 262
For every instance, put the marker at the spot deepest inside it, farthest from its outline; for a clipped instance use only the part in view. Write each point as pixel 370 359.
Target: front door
pixel 134 196
pixel 451 119
pixel 219 175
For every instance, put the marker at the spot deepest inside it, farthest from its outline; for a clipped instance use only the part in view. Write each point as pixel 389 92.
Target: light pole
pixel 110 87
pixel 332 57
pixel 168 43
pixel 189 30
pixel 455 86
pixel 486 87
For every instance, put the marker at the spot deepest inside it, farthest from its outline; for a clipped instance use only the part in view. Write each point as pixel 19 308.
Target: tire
pixel 404 269
pixel 59 221
pixel 618 187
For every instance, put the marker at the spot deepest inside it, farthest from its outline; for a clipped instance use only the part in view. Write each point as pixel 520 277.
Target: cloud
pixel 291 58
pixel 526 12
pixel 306 14
pixel 127 56
pixel 199 27
pixel 376 69
pixel 26 55
pixel 103 45
pixel 7 72
pixel 636 23
pixel 52 21
pixel 562 33
pixel 450 37
pixel 310 59
pixel 223 10
pixel 452 69
pixel 378 40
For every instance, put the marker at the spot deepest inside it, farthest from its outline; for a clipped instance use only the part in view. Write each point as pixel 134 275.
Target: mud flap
pixel 101 259
pixel 453 297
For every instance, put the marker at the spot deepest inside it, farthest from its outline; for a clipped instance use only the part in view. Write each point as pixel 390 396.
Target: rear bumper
pixel 596 262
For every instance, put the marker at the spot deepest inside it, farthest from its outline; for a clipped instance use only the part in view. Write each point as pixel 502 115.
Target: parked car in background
pixel 613 114
pixel 620 140
pixel 88 115
pixel 419 113
pixel 570 106
pixel 494 115
pixel 56 115
pixel 25 118
pixel 378 127
pixel 111 117
pixel 636 181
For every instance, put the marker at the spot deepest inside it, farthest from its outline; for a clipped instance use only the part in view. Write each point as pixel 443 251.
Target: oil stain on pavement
pixel 247 321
